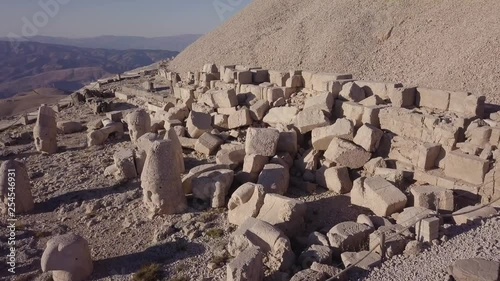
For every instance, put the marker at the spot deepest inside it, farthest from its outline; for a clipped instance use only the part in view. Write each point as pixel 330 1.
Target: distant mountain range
pixel 171 43
pixel 31 65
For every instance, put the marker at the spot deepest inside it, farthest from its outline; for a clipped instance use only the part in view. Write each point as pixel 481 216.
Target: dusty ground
pixel 448 44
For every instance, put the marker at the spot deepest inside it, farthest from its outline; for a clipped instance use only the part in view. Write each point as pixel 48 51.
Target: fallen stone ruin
pixel 405 153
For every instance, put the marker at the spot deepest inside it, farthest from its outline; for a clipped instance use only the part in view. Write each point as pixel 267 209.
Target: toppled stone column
pixel 139 123
pixel 13 169
pixel 68 257
pixel 161 179
pixel 45 130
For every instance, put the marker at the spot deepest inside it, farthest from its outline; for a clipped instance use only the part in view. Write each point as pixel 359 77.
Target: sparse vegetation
pixel 151 272
pixel 215 233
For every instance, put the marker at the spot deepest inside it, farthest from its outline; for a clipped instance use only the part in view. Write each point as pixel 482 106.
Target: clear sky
pixel 88 18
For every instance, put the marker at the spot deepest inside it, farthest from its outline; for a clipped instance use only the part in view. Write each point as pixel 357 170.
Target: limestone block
pixel 240 118
pixel 432 98
pixel 319 81
pixel 350 110
pixel 371 261
pixel 273 243
pixel 275 178
pixel 99 137
pixel 309 275
pixel 371 115
pixel 348 236
pixel 68 257
pixel 471 213
pixel 69 127
pixel 352 92
pixel 124 160
pixel 393 176
pixel 372 101
pixel 207 143
pixel 395 243
pixel 403 97
pixel 161 179
pixel 308 161
pixel 466 167
pixel 368 137
pixel 280 115
pixel 245 202
pixel 260 75
pixel 287 142
pixel 411 215
pixel 373 164
pixel 295 81
pixel 309 119
pixel 198 123
pixel 254 163
pixel 317 238
pixel 259 109
pixel 479 136
pixel 14 179
pixel 322 136
pixel 279 78
pixel 432 197
pixel 315 253
pixel 232 157
pixel 198 170
pixel 378 195
pixel 475 269
pixel 221 122
pixel 346 153
pixel 213 187
pixel 322 100
pixel 285 213
pixel 335 178
pixel 261 141
pixel 427 229
pixel 380 89
pixel 248 265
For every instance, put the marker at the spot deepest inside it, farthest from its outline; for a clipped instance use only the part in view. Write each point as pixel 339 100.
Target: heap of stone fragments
pixel 400 151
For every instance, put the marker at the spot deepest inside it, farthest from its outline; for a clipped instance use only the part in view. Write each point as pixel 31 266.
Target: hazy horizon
pixel 96 18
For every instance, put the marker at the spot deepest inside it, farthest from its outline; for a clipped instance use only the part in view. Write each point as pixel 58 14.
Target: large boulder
pixel 285 213
pixel 275 178
pixel 378 195
pixel 347 154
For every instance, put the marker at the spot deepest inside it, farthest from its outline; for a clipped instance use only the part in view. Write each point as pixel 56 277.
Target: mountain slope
pixel 172 43
pixel 451 44
pixel 35 65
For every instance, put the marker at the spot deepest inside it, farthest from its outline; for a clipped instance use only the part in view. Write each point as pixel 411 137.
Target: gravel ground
pixel 480 240
pixel 448 44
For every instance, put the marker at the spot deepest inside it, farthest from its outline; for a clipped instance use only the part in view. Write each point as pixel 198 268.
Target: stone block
pixel 368 137
pixel 380 89
pixel 471 213
pixel 198 123
pixel 319 81
pixel 254 163
pixel 403 97
pixel 115 116
pixel 372 101
pixel 224 98
pixel 248 265
pixel 261 141
pixel 285 213
pixel 245 202
pixel 240 118
pixel 275 178
pixel 321 137
pixel 367 264
pixel 335 178
pixel 207 143
pixel 309 119
pixel 213 186
pixel 352 92
pixel 125 163
pixel 466 167
pixel 260 75
pixel 433 197
pixel 432 98
pixel 427 229
pixel 348 236
pixel 350 110
pixel 379 195
pixel 69 127
pixel 347 154
pixel 259 109
pixel 475 269
pixel 287 142
pixel 279 78
pixel 280 115
pixel 315 253
pixel 323 101
pixel 373 164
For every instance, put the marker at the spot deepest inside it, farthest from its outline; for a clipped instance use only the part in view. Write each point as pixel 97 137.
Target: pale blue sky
pixel 87 18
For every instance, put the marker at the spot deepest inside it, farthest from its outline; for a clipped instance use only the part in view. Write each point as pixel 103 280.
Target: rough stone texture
pixel 172 134
pixel 245 202
pixel 328 270
pixel 371 261
pixel 471 213
pixel 432 197
pixel 207 144
pixel 68 257
pixel 315 253
pixel 352 92
pixel 274 178
pixel 21 187
pixel 259 109
pixel 284 213
pixel 432 98
pixel 198 123
pixel 335 178
pixel 348 236
pixel 409 216
pixel 466 167
pixel 475 270
pixel 393 176
pixel 378 195
pixel 69 127
pixel 280 115
pixel 350 110
pixel 240 118
pixel 368 137
pixel 309 119
pixel 347 154
pixel 224 98
pixel 45 130
pixel 161 180
pixel 309 275
pixel 395 243
pixel 261 141
pixel 323 101
pixel 317 238
pixel 213 187
pixel 403 97
pixel 254 163
pixel 124 160
pixel 247 266
pixel 233 156
pixel 373 164
pixel 342 128
pixel 273 243
pixel 139 123
pixel 198 170
pixel 99 137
